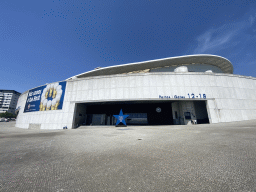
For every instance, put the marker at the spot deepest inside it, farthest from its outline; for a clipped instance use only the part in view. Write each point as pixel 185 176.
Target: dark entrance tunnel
pixel 154 117
pixel 140 112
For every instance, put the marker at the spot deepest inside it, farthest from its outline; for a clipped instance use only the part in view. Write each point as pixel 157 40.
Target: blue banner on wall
pixel 46 98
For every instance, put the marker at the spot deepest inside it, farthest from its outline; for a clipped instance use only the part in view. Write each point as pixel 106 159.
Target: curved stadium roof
pixel 220 62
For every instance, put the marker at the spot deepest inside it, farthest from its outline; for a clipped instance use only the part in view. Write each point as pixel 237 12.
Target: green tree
pixel 7 115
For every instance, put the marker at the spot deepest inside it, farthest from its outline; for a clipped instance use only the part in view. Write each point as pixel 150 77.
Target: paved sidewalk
pixel 218 157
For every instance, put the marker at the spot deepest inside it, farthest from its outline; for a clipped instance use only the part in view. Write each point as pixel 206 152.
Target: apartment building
pixel 8 100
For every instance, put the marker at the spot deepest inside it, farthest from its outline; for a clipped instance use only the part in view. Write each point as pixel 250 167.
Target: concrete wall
pixel 20 120
pixel 200 109
pixel 231 97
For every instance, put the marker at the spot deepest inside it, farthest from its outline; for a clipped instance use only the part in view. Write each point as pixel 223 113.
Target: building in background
pixel 8 101
pixel 169 91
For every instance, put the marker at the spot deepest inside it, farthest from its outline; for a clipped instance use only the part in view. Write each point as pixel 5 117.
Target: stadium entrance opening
pixel 160 112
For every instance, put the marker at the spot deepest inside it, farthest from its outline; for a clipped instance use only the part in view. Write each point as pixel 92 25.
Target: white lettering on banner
pixel 37 92
pixel 30 94
pixel 35 98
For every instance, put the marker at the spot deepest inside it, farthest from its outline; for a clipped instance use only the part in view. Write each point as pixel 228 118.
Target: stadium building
pixel 169 91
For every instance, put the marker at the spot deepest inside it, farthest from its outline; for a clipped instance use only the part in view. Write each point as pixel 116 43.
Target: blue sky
pixel 51 40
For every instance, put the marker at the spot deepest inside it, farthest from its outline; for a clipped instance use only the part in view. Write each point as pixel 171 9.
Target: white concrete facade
pixel 229 97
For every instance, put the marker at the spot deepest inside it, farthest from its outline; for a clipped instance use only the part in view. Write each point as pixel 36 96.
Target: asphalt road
pixel 219 157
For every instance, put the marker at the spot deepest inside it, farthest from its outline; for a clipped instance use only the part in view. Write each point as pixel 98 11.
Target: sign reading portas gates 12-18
pixel 46 98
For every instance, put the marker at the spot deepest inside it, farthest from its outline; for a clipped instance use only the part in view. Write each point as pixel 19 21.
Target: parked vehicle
pixel 7 119
pixel 2 119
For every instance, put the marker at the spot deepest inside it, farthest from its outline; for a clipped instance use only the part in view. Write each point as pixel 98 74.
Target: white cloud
pixel 223 37
pixel 251 19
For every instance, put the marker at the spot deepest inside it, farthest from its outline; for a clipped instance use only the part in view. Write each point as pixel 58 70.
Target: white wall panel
pixel 241 82
pixel 194 80
pixel 78 95
pixel 95 83
pixel 71 107
pixel 132 93
pixel 145 80
pixel 79 85
pixel 199 80
pixel 73 96
pixel 146 92
pixel 86 95
pixel 253 94
pixel 187 90
pixel 152 81
pixel 67 96
pixel 238 93
pixel 157 81
pixel 186 79
pixel 153 92
pixel 212 79
pixel 181 90
pixel 70 118
pixel 230 82
pixel 95 94
pixel 83 82
pixel 69 86
pixel 74 88
pixel 168 91
pixel 130 81
pixel 218 104
pixel 86 84
pixel 100 83
pixel 165 80
pixel 208 92
pixel 160 90
pixel 254 84
pixel 101 94
pixel 65 107
pixel 126 93
pixel 89 94
pixel 138 80
pixel 225 81
pixel 232 93
pixel 120 93
pixel 112 82
pixel 65 117
pixel 175 91
pixel 225 93
pixel 203 90
pixel 113 94
pixel 179 80
pixel 205 80
pixel 244 114
pixel 139 93
pixel 219 81
pixel 195 90
pixel 55 118
pixel 173 80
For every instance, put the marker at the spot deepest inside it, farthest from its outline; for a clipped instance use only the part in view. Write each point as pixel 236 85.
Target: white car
pixel 2 119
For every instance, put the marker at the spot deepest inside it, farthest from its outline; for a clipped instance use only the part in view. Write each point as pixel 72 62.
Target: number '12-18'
pixel 193 96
